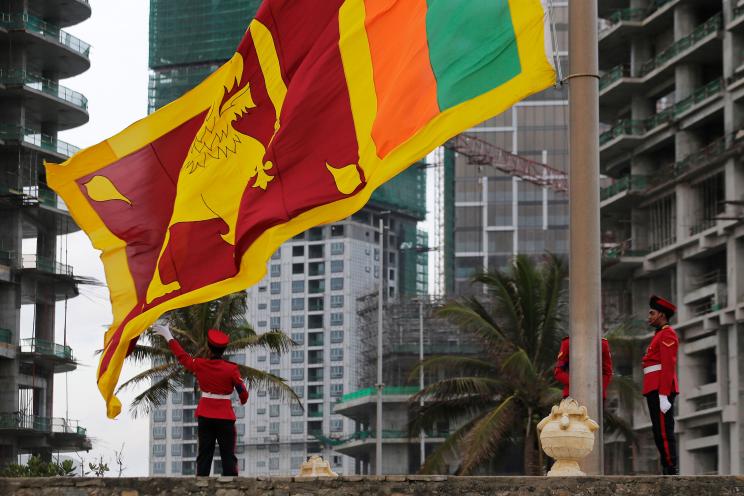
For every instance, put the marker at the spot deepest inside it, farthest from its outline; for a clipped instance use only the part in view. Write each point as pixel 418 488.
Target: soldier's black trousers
pixel 662 425
pixel 223 432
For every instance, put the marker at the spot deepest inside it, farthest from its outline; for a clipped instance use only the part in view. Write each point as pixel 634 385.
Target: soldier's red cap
pixel 666 307
pixel 217 338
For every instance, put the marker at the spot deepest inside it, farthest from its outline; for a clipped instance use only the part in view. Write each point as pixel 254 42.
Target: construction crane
pixel 481 152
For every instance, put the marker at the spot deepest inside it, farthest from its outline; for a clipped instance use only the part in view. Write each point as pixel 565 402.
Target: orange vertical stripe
pixel 404 82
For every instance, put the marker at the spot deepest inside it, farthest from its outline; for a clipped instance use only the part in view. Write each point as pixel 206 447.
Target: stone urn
pixel 567 436
pixel 316 466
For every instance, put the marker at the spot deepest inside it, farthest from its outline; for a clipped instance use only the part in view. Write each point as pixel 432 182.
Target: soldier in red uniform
pixel 215 417
pixel 660 385
pixel 561 373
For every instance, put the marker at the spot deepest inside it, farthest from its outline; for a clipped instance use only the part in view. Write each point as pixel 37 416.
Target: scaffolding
pixel 402 339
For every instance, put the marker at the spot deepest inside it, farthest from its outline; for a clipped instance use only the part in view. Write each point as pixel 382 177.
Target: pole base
pixel 565 468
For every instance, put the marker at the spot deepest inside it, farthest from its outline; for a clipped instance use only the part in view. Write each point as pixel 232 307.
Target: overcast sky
pixel 116 88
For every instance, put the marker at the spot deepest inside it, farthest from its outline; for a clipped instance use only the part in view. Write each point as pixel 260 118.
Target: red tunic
pixel 661 356
pixel 214 376
pixel 561 367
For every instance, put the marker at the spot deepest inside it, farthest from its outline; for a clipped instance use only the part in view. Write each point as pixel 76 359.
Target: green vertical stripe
pixel 472 47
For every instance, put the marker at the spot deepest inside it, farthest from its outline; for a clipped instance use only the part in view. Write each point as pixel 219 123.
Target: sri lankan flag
pixel 322 102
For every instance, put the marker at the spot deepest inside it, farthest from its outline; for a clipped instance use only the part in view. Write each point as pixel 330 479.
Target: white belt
pixel 214 396
pixel 651 368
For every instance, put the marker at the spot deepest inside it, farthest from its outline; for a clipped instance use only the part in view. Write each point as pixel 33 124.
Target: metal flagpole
pixel 584 254
pixel 380 385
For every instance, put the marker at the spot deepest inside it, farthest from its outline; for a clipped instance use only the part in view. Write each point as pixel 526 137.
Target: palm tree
pixel 190 325
pixel 501 396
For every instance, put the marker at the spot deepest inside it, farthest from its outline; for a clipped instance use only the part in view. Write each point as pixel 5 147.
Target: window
pixel 337 318
pixel 276 287
pixel 298 427
pixel 275 322
pixel 296 410
pixel 158 450
pixel 274 448
pixel 262 306
pixel 298 268
pixel 261 358
pixel 300 236
pixel 337 230
pixel 261 464
pixel 337 390
pixel 337 301
pixel 298 286
pixel 296 462
pixel 274 372
pixel 298 303
pixel 262 323
pixel 158 468
pixel 276 305
pixel 261 392
pixel 298 321
pixel 315 321
pixel 298 374
pixel 176 398
pixel 316 268
pixel 273 410
pixel 176 432
pixel 273 427
pixel 262 289
pixel 337 425
pixel 176 414
pixel 277 254
pixel 298 356
pixel 315 251
pixel 261 411
pixel 273 463
pixel 337 336
pixel 298 337
pixel 337 283
pixel 158 432
pixel 158 415
pixel 316 286
pixel 337 354
pixel 299 391
pixel 239 411
pixel 337 248
pixel 298 250
pixel 261 428
pixel 176 449
pixel 240 427
pixel 337 266
pixel 276 270
pixel 337 372
pixel 274 358
pixel 315 304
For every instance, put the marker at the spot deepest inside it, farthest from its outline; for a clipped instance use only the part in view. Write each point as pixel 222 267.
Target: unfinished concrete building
pixel 35 53
pixel 672 100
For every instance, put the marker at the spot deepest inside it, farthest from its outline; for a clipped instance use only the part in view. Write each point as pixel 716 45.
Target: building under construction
pixel 35 53
pixel 411 330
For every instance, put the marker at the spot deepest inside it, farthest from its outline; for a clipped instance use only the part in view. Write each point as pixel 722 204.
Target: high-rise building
pixel 672 100
pixel 35 54
pixel 492 216
pixel 312 285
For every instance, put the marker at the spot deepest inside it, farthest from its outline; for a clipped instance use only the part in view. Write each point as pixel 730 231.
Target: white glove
pixel 162 330
pixel 664 403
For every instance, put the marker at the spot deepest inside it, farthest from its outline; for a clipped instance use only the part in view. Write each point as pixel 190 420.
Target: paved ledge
pixel 372 486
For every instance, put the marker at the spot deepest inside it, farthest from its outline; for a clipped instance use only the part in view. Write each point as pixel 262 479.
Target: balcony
pixel 46 265
pixel 56 148
pixel 737 19
pixel 619 84
pixel 315 414
pixel 56 356
pixel 621 194
pixel 62 434
pixel 708 293
pixel 6 336
pixel 315 340
pixel 56 103
pixel 47 45
pixel 69 12
pixel 626 134
pixel 620 259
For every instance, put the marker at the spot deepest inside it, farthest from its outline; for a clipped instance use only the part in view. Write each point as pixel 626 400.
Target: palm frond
pixel 519 367
pixel 154 396
pixel 258 379
pixel 487 434
pixel 482 388
pixel 449 410
pixel 470 315
pixel 437 460
pixel 148 375
pixel 273 340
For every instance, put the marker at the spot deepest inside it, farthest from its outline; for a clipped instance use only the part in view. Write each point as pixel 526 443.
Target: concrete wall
pixel 369 486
